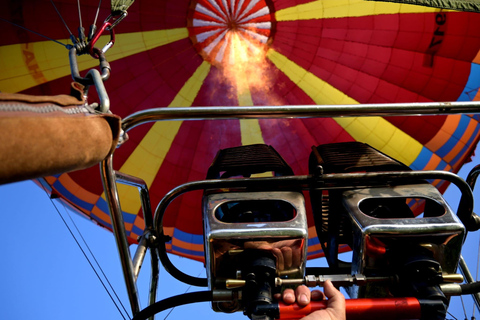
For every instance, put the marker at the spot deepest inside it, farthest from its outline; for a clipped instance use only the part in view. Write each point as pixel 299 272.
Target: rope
pixel 120 5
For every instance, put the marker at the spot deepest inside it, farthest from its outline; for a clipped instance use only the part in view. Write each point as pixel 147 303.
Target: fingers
pixel 331 292
pixel 302 294
pixel 288 296
pixel 317 295
pixel 335 303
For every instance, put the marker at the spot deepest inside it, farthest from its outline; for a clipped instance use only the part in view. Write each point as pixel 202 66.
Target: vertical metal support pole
pixel 152 295
pixel 111 193
pixel 471 179
pixel 147 235
pixel 469 279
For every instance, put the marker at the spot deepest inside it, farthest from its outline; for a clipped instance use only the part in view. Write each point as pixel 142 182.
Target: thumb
pixel 336 300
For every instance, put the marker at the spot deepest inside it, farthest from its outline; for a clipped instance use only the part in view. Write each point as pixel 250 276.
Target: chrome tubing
pixel 469 279
pixel 326 181
pixel 118 226
pixel 139 255
pixel 154 275
pixel 471 180
pixel 145 239
pixel 465 209
pixel 472 176
pixel 144 195
pixel 300 111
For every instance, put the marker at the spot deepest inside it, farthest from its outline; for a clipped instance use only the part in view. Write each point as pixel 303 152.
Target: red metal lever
pixel 361 309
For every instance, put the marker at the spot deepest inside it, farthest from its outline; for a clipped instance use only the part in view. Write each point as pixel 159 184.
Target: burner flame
pixel 233 36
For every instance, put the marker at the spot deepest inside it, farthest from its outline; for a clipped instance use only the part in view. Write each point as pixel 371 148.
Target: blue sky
pixel 45 275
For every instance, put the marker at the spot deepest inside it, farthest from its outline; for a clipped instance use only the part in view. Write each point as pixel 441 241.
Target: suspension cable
pixel 98 11
pixel 95 259
pixel 34 32
pixel 186 291
pixel 79 14
pixel 463 307
pixel 61 18
pixel 93 268
pixel 89 261
pixel 451 315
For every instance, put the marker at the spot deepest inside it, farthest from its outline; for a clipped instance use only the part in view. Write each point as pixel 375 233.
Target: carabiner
pixel 117 17
pixel 106 25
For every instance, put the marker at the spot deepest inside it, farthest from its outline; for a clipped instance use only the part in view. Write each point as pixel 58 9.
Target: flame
pixel 245 66
pixel 233 36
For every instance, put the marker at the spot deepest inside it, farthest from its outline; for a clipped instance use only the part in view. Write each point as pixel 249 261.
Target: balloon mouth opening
pixel 231 32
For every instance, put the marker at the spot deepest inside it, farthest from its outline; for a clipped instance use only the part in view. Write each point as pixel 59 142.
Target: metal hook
pixel 104 67
pixel 95 76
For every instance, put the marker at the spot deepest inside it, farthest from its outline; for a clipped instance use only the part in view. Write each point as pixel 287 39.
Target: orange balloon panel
pixel 252 52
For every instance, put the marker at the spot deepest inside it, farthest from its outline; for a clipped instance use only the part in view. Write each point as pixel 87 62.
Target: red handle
pixel 361 309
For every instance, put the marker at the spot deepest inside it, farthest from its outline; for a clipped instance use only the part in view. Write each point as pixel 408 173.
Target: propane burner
pixel 254 237
pixel 387 233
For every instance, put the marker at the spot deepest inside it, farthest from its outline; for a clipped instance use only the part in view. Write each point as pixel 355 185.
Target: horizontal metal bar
pixel 299 111
pixel 326 181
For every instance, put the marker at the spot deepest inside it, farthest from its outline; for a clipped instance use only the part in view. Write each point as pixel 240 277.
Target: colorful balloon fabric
pixel 251 52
